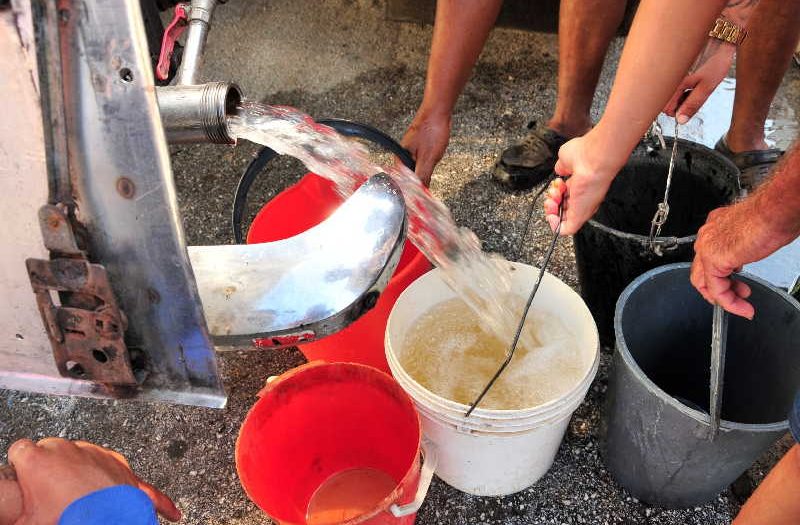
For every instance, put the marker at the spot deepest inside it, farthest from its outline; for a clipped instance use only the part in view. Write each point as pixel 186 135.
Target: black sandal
pixel 754 166
pixel 524 165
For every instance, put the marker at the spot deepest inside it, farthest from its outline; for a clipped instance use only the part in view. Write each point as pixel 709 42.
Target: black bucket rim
pixel 644 239
pixel 670 241
pixel 697 415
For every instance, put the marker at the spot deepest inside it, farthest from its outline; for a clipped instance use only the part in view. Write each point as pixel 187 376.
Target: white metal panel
pixel 23 189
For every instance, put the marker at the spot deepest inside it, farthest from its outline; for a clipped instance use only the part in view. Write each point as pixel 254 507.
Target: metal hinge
pixel 85 326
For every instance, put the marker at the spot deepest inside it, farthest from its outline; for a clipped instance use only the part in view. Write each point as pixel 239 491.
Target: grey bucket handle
pixel 794 289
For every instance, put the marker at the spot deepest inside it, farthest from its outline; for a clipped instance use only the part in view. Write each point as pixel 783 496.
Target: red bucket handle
pixel 274 380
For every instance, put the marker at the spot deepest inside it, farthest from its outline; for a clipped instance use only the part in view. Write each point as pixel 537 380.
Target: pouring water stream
pixel 482 281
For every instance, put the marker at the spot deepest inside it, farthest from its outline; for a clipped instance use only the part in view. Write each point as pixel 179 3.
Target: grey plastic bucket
pixel 656 424
pixel 612 249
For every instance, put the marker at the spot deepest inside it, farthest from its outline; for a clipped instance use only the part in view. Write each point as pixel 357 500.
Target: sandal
pixel 524 165
pixel 754 166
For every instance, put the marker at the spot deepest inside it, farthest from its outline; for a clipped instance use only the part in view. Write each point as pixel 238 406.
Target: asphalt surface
pixel 341 58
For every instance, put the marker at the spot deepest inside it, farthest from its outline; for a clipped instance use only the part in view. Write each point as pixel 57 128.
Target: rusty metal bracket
pixel 85 326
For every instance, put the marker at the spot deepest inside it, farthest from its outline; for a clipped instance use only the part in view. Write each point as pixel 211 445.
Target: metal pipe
pixel 192 114
pixel 199 22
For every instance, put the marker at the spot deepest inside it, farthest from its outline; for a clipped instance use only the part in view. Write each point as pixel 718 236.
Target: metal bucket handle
pixel 430 459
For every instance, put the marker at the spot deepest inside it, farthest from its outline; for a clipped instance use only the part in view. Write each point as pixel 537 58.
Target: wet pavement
pixel 342 59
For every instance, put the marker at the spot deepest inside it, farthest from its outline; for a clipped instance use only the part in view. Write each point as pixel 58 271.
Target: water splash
pixel 480 279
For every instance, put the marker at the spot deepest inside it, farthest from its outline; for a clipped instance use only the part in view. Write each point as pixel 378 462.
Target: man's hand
pixel 711 66
pixel 589 174
pixel 55 472
pixel 426 139
pixel 732 237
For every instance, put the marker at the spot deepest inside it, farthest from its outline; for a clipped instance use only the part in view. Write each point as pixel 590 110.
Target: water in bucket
pixel 331 443
pixel 494 453
pixel 347 495
pixel 480 280
pixel 447 352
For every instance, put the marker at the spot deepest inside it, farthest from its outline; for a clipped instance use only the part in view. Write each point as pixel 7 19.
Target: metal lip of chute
pixel 308 286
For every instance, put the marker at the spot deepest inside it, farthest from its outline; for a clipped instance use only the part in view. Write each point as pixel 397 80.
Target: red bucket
pixel 303 206
pixel 334 443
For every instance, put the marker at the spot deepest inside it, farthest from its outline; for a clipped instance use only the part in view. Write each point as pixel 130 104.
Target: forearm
pixel 459 33
pixel 777 201
pixel 736 11
pixel 663 42
pixel 739 11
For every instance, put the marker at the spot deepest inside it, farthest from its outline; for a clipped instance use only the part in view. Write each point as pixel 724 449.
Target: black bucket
pixel 656 422
pixel 612 248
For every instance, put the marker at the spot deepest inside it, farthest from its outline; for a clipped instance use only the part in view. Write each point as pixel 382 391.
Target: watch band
pixel 727 31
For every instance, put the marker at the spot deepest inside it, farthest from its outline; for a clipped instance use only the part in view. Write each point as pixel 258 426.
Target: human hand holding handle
pixel 588 171
pixel 711 65
pixel 732 237
pixel 646 78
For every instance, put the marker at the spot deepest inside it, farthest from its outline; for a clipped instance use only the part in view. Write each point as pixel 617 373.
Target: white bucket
pixel 494 452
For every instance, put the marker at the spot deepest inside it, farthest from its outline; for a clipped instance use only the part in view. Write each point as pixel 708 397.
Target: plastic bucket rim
pixel 678 240
pixel 493 427
pixel 643 239
pixel 489 412
pixel 512 432
pixel 503 414
pixel 697 415
pixel 383 505
pixel 575 399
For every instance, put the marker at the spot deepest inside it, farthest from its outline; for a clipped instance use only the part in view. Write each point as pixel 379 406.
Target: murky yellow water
pixel 447 352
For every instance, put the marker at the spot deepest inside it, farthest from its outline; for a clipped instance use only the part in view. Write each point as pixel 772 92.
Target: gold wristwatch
pixel 727 31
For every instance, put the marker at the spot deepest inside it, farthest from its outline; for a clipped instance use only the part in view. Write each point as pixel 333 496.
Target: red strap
pixel 171 34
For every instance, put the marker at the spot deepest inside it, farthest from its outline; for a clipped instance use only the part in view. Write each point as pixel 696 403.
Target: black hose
pixel 258 165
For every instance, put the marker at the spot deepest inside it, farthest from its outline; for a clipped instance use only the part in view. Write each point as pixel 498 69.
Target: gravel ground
pixel 341 58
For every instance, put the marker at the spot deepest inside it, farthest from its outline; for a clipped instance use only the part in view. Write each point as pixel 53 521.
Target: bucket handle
pixel 430 461
pixel 272 379
pixel 794 289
